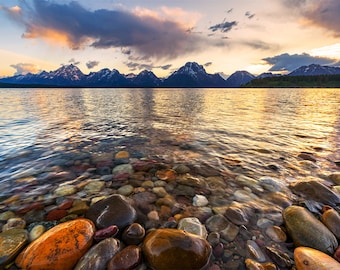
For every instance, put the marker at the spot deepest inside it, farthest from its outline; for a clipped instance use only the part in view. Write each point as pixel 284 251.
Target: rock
pixel 311 259
pixel 110 231
pixel 307 156
pixel 125 190
pixel 331 219
pixel 11 243
pixel 307 230
pixel 36 232
pixel 6 215
pixel 56 214
pixel 236 215
pixel 122 154
pixel 66 242
pixel 254 265
pixel 220 224
pixel 114 210
pixel 133 234
pixel 335 177
pixel 166 175
pixel 279 257
pixel 175 249
pixel 99 255
pixel 65 190
pixel 123 168
pixel 181 169
pixel 14 223
pixel 316 191
pixel 126 259
pixel 79 207
pixel 192 225
pixel 160 191
pixel 255 252
pixel 200 200
pixel 271 184
pixel 276 234
pixel 94 187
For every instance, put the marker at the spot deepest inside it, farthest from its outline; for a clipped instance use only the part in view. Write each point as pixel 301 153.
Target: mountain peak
pixel 315 69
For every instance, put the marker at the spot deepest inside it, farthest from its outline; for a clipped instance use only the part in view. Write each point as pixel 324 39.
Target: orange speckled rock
pixel 122 154
pixel 58 248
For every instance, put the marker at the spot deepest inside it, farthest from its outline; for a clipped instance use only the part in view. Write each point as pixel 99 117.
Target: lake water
pixel 252 131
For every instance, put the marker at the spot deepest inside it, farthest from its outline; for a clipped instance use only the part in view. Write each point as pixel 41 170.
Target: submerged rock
pixel 317 191
pixel 114 210
pixel 167 249
pixel 58 248
pixel 11 243
pixel 99 255
pixel 307 230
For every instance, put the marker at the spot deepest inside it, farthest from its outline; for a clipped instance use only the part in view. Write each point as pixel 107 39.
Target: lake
pixel 253 131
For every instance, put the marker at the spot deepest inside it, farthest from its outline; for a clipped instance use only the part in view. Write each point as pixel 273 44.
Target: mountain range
pixel 190 75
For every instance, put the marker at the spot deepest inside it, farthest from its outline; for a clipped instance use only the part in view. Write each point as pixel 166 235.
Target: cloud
pixel 74 62
pixel 223 27
pixel 133 66
pixel 249 15
pixel 148 33
pixel 24 68
pixel 323 13
pixel 288 62
pixel 92 64
pixel 208 64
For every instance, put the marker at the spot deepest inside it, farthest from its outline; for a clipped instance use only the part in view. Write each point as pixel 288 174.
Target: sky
pixel 130 36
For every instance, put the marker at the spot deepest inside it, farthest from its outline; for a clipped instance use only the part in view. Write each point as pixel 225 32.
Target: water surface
pixel 253 131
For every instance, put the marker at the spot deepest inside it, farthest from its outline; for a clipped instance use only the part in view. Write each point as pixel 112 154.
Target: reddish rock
pixel 126 259
pixel 58 248
pixel 56 215
pixel 66 204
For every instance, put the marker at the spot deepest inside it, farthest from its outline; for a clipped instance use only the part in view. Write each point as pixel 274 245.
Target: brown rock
pixel 175 249
pixel 126 259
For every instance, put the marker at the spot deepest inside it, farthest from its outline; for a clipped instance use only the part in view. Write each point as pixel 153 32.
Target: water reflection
pixel 245 124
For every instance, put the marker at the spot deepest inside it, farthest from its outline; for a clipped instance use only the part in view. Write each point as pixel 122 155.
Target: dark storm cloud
pixel 208 64
pixel 133 66
pixel 288 62
pixel 71 23
pixel 223 27
pixel 260 45
pixel 325 13
pixel 92 64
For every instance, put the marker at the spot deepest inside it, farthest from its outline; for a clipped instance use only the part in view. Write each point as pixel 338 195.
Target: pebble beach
pixel 121 210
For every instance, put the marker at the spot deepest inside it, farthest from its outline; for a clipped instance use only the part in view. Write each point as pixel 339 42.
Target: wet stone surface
pixel 110 210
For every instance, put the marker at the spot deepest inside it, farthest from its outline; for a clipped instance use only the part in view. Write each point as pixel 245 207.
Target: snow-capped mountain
pixel 239 78
pixel 106 78
pixel 193 75
pixel 146 79
pixel 314 69
pixel 190 75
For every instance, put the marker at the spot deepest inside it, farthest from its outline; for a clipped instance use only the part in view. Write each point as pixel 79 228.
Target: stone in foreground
pixel 58 248
pixel 312 259
pixel 307 230
pixel 166 249
pixel 11 242
pixel 114 210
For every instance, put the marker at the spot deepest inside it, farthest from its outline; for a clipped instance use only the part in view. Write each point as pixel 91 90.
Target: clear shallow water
pixel 251 131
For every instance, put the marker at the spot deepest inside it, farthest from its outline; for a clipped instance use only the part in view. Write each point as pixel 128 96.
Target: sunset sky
pixel 224 36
